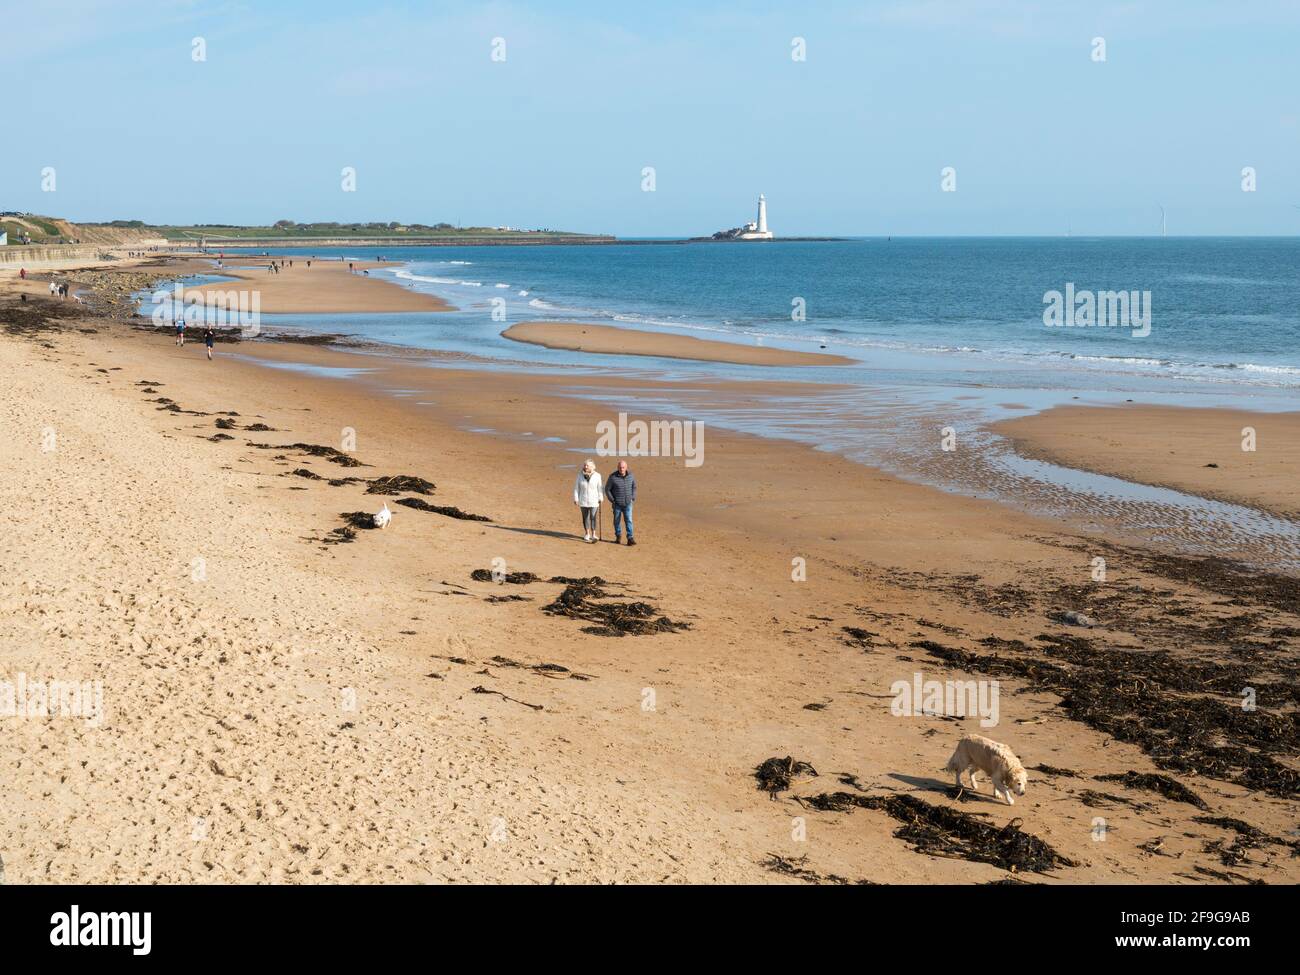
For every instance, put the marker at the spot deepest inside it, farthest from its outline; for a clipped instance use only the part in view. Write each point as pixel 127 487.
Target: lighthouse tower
pixel 755 229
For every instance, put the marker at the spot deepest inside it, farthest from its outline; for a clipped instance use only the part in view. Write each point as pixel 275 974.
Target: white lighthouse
pixel 758 229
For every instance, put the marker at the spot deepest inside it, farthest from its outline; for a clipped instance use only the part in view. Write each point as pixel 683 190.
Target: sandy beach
pixel 630 341
pixel 285 700
pixel 325 286
pixel 1233 455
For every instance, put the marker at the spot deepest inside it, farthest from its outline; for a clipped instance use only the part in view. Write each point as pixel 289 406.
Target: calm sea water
pixel 1223 311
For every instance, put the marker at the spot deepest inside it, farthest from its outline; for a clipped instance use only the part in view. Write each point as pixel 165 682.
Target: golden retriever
pixel 997 761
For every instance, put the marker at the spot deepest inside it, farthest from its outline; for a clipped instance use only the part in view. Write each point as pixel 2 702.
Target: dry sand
pixel 326 286
pixel 610 340
pixel 278 709
pixel 1195 450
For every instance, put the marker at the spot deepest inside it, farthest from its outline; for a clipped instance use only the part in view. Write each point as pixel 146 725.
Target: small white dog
pixel 383 517
pixel 997 761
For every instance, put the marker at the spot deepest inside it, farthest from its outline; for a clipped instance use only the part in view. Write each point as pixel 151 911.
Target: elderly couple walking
pixel 589 491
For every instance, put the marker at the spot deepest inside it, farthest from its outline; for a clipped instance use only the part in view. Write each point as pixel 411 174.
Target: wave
pixel 428 279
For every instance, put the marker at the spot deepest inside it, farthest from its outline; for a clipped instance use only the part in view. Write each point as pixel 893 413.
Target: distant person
pixel 54 288
pixel 210 336
pixel 180 331
pixel 22 274
pixel 621 491
pixel 351 269
pixel 586 495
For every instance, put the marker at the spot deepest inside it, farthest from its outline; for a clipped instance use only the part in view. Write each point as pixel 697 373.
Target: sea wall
pixel 36 256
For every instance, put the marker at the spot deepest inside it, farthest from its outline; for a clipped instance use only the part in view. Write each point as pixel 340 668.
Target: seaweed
pixel 440 509
pixel 480 689
pixel 226 424
pixel 1094 799
pixel 333 481
pixel 1053 770
pixel 514 578
pixel 797 868
pixel 397 483
pixel 584 599
pixel 1129 695
pixel 1247 838
pixel 775 774
pixel 946 832
pixel 358 519
pixel 858 637
pixel 331 454
pixel 553 671
pixel 1166 786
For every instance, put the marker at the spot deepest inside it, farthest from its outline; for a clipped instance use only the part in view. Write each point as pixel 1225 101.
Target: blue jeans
pixel 623 511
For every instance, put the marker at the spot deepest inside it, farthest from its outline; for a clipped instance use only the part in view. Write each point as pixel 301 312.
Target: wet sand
pixel 282 709
pixel 1194 450
pixel 609 340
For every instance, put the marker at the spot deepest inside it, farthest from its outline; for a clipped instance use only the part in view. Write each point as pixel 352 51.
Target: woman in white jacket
pixel 587 493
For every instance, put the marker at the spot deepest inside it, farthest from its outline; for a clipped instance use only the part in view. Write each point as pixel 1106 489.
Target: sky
pixel 559 127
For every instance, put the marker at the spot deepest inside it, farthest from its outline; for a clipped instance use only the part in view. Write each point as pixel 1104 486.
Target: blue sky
pixel 851 141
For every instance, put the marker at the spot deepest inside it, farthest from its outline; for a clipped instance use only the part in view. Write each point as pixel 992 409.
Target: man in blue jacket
pixel 620 488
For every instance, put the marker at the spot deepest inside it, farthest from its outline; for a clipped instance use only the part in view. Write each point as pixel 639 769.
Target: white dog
pixel 998 762
pixel 383 517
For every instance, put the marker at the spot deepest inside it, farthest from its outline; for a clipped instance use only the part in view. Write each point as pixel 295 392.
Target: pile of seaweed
pixel 1165 785
pixel 1151 699
pixel 224 423
pixel 398 483
pixel 946 832
pixel 584 599
pixel 775 774
pixel 446 510
pixel 358 519
pixel 514 578
pixel 29 318
pixel 331 454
